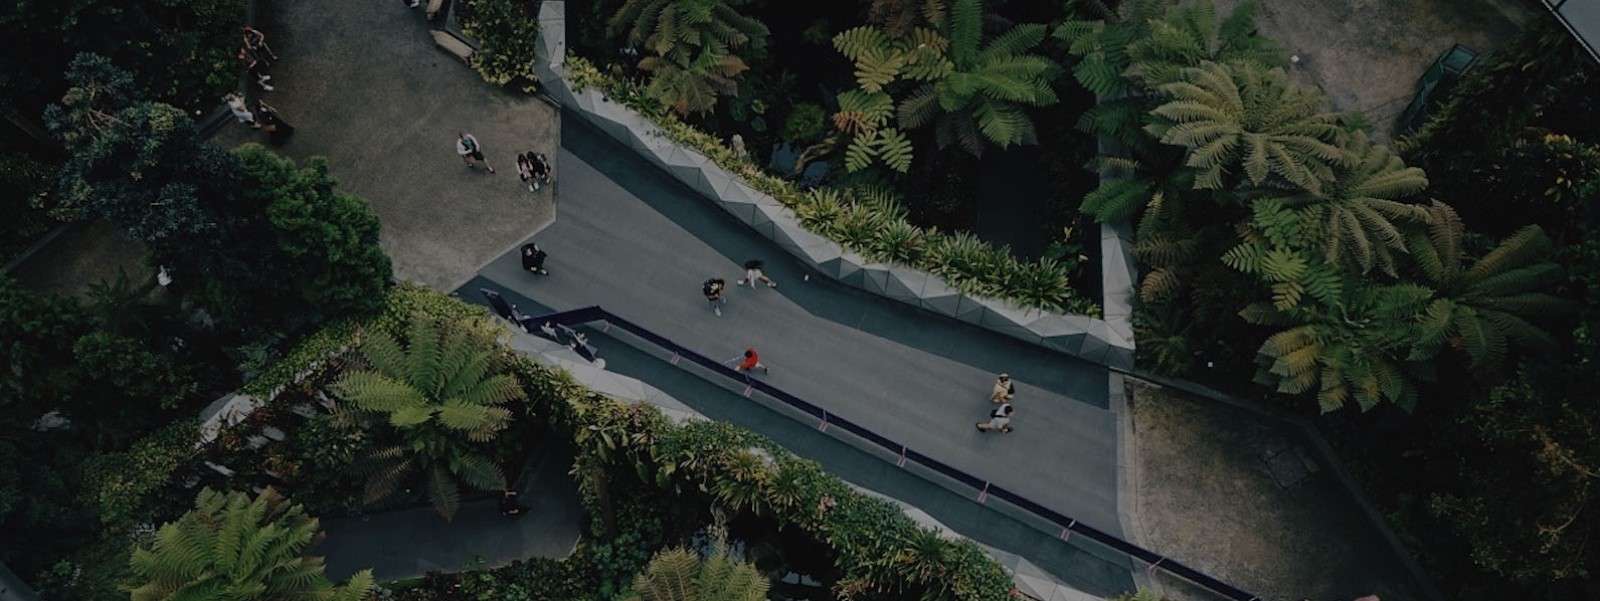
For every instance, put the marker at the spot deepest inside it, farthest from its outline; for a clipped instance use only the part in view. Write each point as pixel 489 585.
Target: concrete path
pixel 907 374
pixel 412 542
pixel 365 87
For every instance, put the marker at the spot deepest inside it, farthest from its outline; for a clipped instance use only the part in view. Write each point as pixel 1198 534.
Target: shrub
pixel 508 34
pixel 743 471
pixel 815 210
pixel 805 124
pixel 120 486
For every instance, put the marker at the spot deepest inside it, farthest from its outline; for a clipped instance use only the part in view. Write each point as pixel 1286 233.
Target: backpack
pixel 470 144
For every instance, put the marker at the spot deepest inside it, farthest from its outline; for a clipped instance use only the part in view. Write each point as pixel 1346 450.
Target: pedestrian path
pixel 890 369
pixel 412 542
pixel 1079 564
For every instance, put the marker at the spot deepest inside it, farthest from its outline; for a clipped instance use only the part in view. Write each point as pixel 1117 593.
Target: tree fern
pixel 692 85
pixel 1352 350
pixel 679 30
pixel 232 546
pixel 681 575
pixel 1487 307
pixel 1356 218
pixel 442 395
pixel 1244 121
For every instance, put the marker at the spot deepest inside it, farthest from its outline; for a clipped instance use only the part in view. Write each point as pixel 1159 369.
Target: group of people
pixel 256 56
pixel 532 167
pixel 715 291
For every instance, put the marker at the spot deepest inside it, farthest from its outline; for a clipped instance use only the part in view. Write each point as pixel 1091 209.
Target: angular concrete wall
pixel 1108 341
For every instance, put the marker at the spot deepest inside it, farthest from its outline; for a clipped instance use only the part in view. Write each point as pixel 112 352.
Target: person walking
pixel 1003 389
pixel 470 150
pixel 999 419
pixel 241 112
pixel 255 69
pixel 752 273
pixel 256 42
pixel 533 259
pixel 751 361
pixel 278 130
pixel 713 289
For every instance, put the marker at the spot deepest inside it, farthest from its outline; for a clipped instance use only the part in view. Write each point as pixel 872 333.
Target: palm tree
pixel 1354 215
pixel 1483 309
pixel 442 395
pixel 231 546
pixel 984 95
pixel 1243 118
pixel 681 575
pixel 692 86
pixel 1351 349
pixel 681 30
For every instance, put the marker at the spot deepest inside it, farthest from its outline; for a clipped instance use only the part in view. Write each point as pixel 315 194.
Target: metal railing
pixel 902 455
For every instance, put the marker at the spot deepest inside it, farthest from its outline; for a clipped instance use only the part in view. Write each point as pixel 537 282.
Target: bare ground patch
pixel 1367 54
pixel 1224 491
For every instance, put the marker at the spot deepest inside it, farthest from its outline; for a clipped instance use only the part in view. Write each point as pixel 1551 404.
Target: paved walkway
pixel 623 240
pixel 412 542
pixel 365 87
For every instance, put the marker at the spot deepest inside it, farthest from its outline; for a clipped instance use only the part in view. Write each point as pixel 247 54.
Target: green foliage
pixel 508 36
pixel 1356 218
pixel 691 85
pixel 1355 349
pixel 231 546
pixel 984 96
pixel 1485 308
pixel 681 29
pixel 1245 120
pixel 141 165
pixel 443 393
pixel 899 18
pixel 805 124
pixel 119 486
pixel 180 51
pixel 694 47
pixel 969 277
pixel 26 203
pixel 681 575
pixel 880 550
pixel 314 249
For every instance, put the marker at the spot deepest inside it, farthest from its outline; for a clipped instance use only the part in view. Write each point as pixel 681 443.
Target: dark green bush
pixel 805 124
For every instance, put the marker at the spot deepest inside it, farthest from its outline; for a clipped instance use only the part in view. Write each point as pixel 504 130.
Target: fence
pixel 1064 527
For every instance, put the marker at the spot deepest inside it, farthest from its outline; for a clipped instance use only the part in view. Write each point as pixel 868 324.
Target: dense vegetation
pixel 1434 303
pixel 870 122
pixel 100 392
pixel 1420 299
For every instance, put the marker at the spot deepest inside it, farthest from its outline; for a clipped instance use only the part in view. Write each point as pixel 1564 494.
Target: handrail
pixel 1068 525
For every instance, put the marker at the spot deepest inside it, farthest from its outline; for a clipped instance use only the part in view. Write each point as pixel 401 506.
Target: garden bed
pixel 923 218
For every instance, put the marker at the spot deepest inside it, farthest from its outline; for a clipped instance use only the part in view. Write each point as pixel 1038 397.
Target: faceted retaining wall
pixel 1106 341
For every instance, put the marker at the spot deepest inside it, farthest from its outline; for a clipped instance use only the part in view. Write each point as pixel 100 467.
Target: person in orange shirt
pixel 751 361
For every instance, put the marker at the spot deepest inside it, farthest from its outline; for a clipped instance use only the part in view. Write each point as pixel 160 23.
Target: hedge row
pixel 860 221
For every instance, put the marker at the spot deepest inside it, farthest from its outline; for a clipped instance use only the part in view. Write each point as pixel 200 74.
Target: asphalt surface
pixel 631 239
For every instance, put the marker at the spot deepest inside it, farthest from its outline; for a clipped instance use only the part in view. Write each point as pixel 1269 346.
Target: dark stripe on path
pixel 883 317
pixel 1090 569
